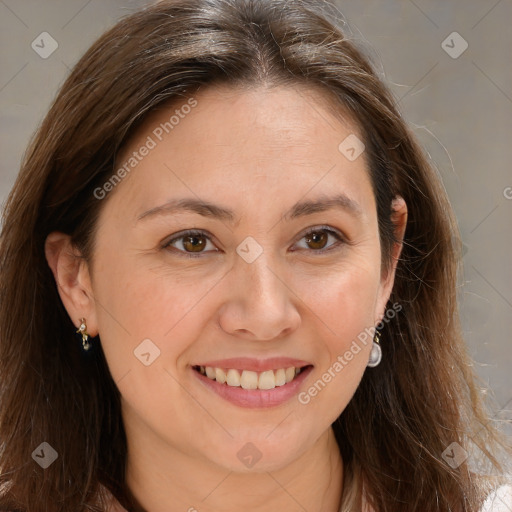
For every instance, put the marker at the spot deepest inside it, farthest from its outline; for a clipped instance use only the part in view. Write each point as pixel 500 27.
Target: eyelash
pixel 339 237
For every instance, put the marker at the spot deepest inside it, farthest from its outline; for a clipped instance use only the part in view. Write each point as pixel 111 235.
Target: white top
pixel 499 500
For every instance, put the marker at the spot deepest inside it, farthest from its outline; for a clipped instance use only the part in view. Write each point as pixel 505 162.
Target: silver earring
pixel 85 336
pixel 376 352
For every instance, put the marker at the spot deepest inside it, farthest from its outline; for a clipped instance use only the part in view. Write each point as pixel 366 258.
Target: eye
pixel 192 243
pixel 318 239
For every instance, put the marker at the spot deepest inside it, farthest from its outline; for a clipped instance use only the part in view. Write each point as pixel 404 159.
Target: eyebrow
pixel 300 209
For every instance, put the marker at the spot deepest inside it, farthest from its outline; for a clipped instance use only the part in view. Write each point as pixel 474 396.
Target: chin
pixel 259 453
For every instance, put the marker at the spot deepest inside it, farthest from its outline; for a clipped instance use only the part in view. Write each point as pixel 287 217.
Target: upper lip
pixel 255 365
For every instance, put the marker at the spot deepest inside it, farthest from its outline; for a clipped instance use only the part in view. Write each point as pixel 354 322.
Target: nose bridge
pixel 259 303
pixel 261 281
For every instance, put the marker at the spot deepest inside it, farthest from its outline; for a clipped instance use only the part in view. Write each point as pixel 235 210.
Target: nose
pixel 260 304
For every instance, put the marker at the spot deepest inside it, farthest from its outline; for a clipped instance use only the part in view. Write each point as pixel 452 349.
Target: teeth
pixel 289 374
pixel 247 379
pixel 267 380
pixel 220 376
pixel 280 377
pixel 233 378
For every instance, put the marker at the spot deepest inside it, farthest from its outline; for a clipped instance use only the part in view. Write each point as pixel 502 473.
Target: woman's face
pixel 282 271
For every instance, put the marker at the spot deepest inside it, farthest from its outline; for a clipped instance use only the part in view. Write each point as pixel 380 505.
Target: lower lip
pixel 256 398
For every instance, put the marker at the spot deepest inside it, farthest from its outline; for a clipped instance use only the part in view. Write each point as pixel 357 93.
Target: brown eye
pixel 191 243
pixel 195 243
pixel 317 239
pixel 321 240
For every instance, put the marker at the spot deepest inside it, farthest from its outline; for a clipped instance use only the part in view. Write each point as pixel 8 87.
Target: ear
pixel 399 219
pixel 71 274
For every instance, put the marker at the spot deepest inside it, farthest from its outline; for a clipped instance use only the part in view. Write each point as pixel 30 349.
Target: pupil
pixel 194 243
pixel 318 239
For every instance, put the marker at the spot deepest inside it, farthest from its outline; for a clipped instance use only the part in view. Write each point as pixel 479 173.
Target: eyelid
pixel 323 227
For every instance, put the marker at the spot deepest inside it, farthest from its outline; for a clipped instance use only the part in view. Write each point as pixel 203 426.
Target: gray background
pixel 460 109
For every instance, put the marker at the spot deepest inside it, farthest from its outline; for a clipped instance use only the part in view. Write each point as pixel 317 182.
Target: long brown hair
pixel 405 413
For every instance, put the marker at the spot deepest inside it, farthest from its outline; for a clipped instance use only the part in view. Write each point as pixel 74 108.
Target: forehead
pixel 222 139
pixel 276 115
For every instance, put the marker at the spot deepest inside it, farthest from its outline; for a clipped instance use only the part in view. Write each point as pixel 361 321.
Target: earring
pixel 85 336
pixel 376 352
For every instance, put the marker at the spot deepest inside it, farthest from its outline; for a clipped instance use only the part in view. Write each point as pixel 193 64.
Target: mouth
pixel 251 380
pixel 253 383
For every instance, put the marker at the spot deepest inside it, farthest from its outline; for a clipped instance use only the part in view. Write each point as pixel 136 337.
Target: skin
pixel 256 152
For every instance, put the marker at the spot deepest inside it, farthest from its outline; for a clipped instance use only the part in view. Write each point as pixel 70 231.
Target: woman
pixel 228 281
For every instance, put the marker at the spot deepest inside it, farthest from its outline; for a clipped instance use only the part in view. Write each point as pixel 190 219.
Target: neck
pixel 164 479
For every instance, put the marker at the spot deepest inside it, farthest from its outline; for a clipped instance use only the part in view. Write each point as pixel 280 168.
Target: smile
pixel 247 379
pixel 254 383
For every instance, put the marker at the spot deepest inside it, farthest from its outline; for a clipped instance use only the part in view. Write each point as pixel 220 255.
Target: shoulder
pixel 499 500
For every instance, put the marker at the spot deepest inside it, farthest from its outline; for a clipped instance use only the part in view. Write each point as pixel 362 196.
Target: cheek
pixel 152 321
pixel 344 305
pixel 344 300
pixel 135 304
